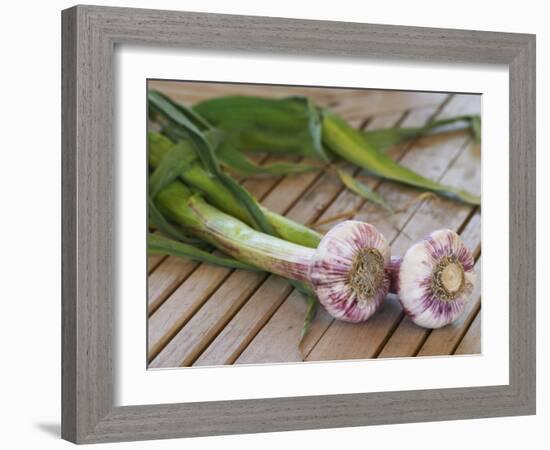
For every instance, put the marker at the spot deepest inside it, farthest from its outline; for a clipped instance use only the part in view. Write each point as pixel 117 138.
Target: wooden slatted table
pixel 203 315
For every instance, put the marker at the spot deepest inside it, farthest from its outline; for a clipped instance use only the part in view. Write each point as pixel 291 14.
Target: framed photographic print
pixel 268 229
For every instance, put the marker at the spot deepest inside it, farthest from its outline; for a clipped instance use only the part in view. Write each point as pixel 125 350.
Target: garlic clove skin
pixel 395 265
pixel 435 279
pixel 349 271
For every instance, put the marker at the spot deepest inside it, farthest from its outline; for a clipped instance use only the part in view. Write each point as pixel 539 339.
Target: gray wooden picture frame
pixel 90 34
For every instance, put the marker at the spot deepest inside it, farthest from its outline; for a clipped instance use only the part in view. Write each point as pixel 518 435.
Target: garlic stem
pixel 196 177
pixel 347 271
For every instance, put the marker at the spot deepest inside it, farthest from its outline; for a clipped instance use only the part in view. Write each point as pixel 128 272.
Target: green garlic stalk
pixel 348 271
pixel 194 175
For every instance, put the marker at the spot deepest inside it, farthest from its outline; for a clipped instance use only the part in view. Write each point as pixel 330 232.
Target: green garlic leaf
pixel 179 117
pixel 385 138
pixel 311 311
pixel 157 220
pixel 161 245
pixel 174 161
pixel 351 145
pixel 234 160
pixel 289 125
pixel 362 189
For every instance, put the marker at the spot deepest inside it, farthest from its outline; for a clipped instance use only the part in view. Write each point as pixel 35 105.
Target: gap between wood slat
pixel 153 352
pixel 151 266
pixel 474 323
pixel 423 202
pixel 474 317
pixel 235 355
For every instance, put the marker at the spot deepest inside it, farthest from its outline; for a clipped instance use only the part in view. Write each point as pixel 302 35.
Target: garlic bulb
pixel 434 279
pixel 349 271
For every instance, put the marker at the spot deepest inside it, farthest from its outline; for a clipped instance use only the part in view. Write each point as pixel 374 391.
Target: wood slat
pixel 384 102
pixel 184 348
pixel 256 352
pixel 432 157
pixel 278 342
pixel 190 93
pixel 153 262
pixel 182 304
pixel 471 343
pixel 236 334
pixel 165 279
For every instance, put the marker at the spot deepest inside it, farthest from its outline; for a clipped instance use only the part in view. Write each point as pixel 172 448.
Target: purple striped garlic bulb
pixel 434 279
pixel 349 271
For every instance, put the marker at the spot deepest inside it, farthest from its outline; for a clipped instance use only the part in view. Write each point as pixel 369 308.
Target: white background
pixel 30 326
pixel 134 385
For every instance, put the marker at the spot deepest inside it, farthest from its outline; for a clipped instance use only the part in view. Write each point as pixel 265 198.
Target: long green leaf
pixel 267 125
pixel 157 147
pixel 250 203
pixel 384 138
pixel 195 176
pixel 200 122
pixel 362 189
pixel 351 145
pixel 293 231
pixel 207 155
pixel 233 159
pixel 476 128
pixel 164 226
pixel 161 245
pixel 176 159
pixel 311 311
pixel 315 126
pixel 178 117
pixel 312 301
pixel 218 195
